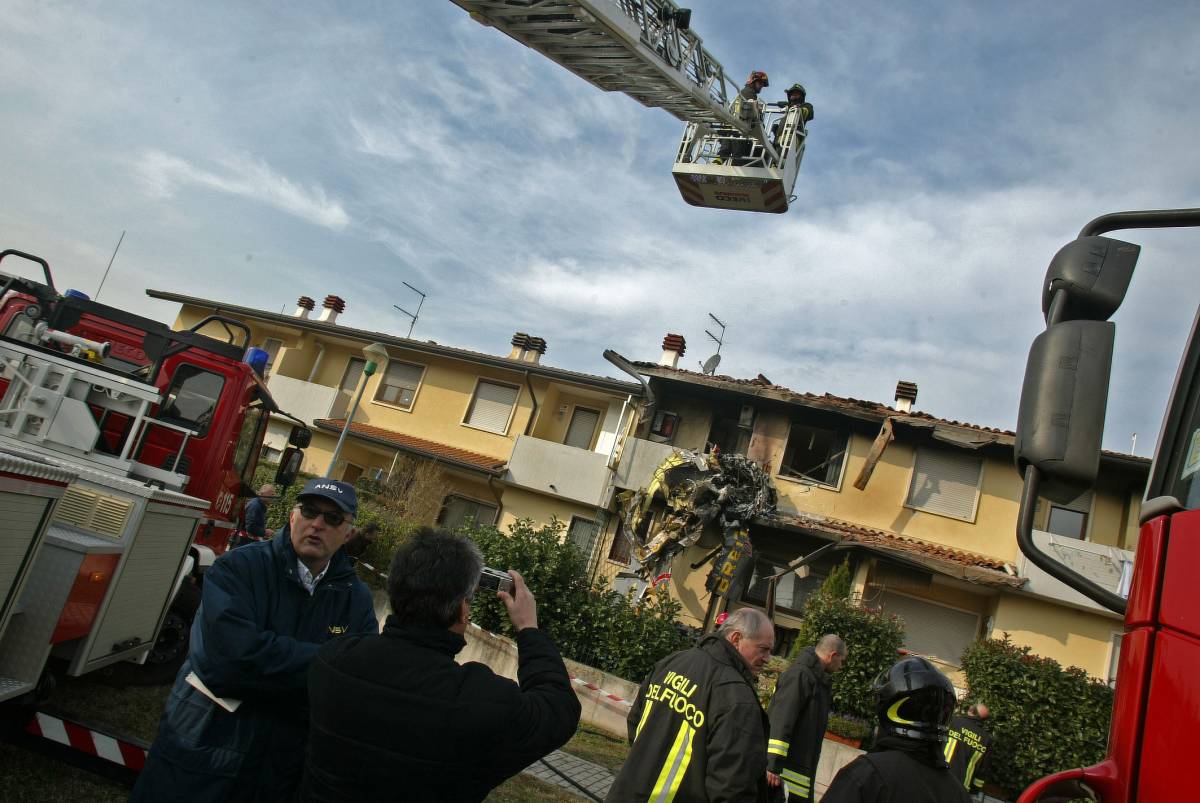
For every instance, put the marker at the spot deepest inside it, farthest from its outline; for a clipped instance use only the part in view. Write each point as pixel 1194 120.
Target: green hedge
pixel 1044 718
pixel 872 638
pixel 589 623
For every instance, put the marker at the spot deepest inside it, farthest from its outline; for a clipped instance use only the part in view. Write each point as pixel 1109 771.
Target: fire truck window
pixel 192 398
pixel 247 442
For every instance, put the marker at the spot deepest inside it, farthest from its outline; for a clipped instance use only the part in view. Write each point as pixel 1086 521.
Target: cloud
pixel 163 175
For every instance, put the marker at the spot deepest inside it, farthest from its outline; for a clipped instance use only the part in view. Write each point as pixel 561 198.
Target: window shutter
pixel 931 629
pixel 492 407
pixel 945 483
pixel 583 425
pixel 583 534
pixel 399 384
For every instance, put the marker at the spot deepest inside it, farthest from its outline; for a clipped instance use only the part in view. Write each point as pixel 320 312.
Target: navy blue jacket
pixel 255 517
pixel 254 636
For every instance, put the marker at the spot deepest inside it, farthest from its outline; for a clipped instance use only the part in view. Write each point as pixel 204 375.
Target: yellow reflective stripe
pixel 675 766
pixel 642 721
pixel 951 744
pixel 790 791
pixel 778 747
pixel 893 713
pixel 971 768
pixel 796 778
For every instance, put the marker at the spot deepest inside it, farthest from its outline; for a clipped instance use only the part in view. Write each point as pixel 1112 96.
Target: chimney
pixel 534 350
pixel 520 342
pixel 906 396
pixel 304 305
pixel 673 348
pixel 333 307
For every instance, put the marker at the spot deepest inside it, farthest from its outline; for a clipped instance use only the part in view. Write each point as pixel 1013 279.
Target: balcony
pixel 639 460
pixel 1107 566
pixel 305 400
pixel 564 471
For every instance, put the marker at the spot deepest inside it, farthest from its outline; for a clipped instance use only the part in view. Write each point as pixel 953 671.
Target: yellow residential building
pixel 514 438
pixel 925 509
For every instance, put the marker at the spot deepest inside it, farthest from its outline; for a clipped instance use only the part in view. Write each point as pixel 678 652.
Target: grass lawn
pixel 134 711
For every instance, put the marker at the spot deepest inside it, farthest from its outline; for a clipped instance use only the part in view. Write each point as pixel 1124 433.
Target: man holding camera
pixel 395 718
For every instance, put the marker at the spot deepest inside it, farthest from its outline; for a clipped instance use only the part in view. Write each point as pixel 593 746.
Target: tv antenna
pixel 709 366
pixel 412 315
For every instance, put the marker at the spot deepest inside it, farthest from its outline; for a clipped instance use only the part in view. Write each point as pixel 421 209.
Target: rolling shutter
pixel 492 407
pixel 945 483
pixel 583 425
pixel 931 629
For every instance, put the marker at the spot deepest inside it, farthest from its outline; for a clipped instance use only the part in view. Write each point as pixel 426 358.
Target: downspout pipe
pixel 624 365
pixel 532 398
pixel 312 375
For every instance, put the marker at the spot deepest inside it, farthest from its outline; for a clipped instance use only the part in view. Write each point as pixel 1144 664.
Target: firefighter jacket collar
pixel 725 653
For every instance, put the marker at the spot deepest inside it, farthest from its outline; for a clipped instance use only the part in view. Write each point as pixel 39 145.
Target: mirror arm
pixel 1072 578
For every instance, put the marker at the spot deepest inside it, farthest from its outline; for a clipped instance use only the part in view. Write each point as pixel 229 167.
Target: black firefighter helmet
pixel 914 700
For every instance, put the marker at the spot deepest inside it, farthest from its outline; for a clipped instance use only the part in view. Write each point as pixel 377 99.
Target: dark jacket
pixel 255 633
pixel 799 712
pixel 966 751
pixel 897 771
pixel 395 718
pixel 698 731
pixel 255 518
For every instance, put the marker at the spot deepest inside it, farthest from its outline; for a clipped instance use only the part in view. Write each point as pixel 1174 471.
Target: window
pixel 664 425
pixel 399 384
pixel 351 473
pixel 248 438
pixel 347 387
pixel 269 454
pixel 945 483
pixel 1114 658
pixel 790 590
pixel 582 533
pixel 815 454
pixel 458 510
pixel 620 551
pixel 1070 520
pixel 932 629
pixel 582 427
pixel 272 345
pixel 492 406
pixel 192 397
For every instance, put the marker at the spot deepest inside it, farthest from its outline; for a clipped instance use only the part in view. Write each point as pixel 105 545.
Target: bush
pixel 872 638
pixel 589 623
pixel 1044 718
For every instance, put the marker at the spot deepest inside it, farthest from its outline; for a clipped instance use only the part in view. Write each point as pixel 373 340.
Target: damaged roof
pixel 419 446
pixel 958 563
pixel 958 433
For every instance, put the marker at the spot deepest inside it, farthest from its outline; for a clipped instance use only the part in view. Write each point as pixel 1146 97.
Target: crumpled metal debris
pixel 725 490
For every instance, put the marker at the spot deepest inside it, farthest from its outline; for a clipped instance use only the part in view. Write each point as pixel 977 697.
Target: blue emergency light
pixel 256 358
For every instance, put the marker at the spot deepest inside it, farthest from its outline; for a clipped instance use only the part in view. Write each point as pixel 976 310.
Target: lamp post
pixel 375 353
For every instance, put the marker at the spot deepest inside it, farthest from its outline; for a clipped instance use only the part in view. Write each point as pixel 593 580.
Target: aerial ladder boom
pixel 646 49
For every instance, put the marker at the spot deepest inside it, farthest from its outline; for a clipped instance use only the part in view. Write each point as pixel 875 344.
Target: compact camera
pixel 496 580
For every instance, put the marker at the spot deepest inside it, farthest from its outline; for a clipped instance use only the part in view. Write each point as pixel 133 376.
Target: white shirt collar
pixel 306 576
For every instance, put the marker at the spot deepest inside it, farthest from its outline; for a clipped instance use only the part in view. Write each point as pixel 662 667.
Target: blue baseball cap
pixel 340 493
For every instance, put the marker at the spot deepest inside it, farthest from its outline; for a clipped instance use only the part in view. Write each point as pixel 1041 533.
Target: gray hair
pixel 749 622
pixel 830 644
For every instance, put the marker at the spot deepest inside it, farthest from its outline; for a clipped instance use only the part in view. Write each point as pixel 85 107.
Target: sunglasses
pixel 334 518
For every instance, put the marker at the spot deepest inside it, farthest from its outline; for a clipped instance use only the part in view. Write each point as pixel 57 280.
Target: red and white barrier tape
pixel 86 740
pixel 606 695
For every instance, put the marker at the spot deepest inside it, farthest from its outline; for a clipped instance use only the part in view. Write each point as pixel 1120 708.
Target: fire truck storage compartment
pixel 153 529
pixel 28 490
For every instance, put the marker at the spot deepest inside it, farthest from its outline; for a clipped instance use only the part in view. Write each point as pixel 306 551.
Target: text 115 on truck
pixel 1156 706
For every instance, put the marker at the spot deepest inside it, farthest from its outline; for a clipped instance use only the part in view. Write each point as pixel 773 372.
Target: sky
pixel 256 152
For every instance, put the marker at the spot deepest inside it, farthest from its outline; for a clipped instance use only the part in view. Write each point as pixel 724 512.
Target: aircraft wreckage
pixel 688 494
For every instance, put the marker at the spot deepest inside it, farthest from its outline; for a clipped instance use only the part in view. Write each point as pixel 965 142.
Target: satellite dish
pixel 711 364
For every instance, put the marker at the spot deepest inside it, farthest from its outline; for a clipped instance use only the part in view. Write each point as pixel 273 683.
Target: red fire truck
pixel 1157 702
pixel 126 449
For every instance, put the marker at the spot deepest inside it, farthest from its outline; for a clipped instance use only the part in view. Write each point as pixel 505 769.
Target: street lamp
pixel 375 353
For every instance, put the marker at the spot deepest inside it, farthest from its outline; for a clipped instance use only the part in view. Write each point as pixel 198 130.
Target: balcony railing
pixel 305 400
pixel 1108 566
pixel 564 471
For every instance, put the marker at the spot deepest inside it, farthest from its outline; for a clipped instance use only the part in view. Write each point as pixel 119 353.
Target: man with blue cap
pixel 236 723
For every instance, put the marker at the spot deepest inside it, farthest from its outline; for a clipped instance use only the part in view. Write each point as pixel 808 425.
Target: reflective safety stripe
pixel 675 766
pixel 971 768
pixel 951 745
pixel 796 778
pixel 642 721
pixel 797 792
pixel 778 747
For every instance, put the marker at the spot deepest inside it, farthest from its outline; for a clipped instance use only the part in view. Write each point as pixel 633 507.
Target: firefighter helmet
pixel 796 88
pixel 758 75
pixel 914 700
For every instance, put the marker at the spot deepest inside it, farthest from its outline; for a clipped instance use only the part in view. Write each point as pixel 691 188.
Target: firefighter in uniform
pixel 967 747
pixel 697 729
pixel 914 702
pixel 799 712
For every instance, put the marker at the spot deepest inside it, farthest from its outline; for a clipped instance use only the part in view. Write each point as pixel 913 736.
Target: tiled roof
pixel 426 346
pixel 409 443
pixel 966 565
pixel 838 403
